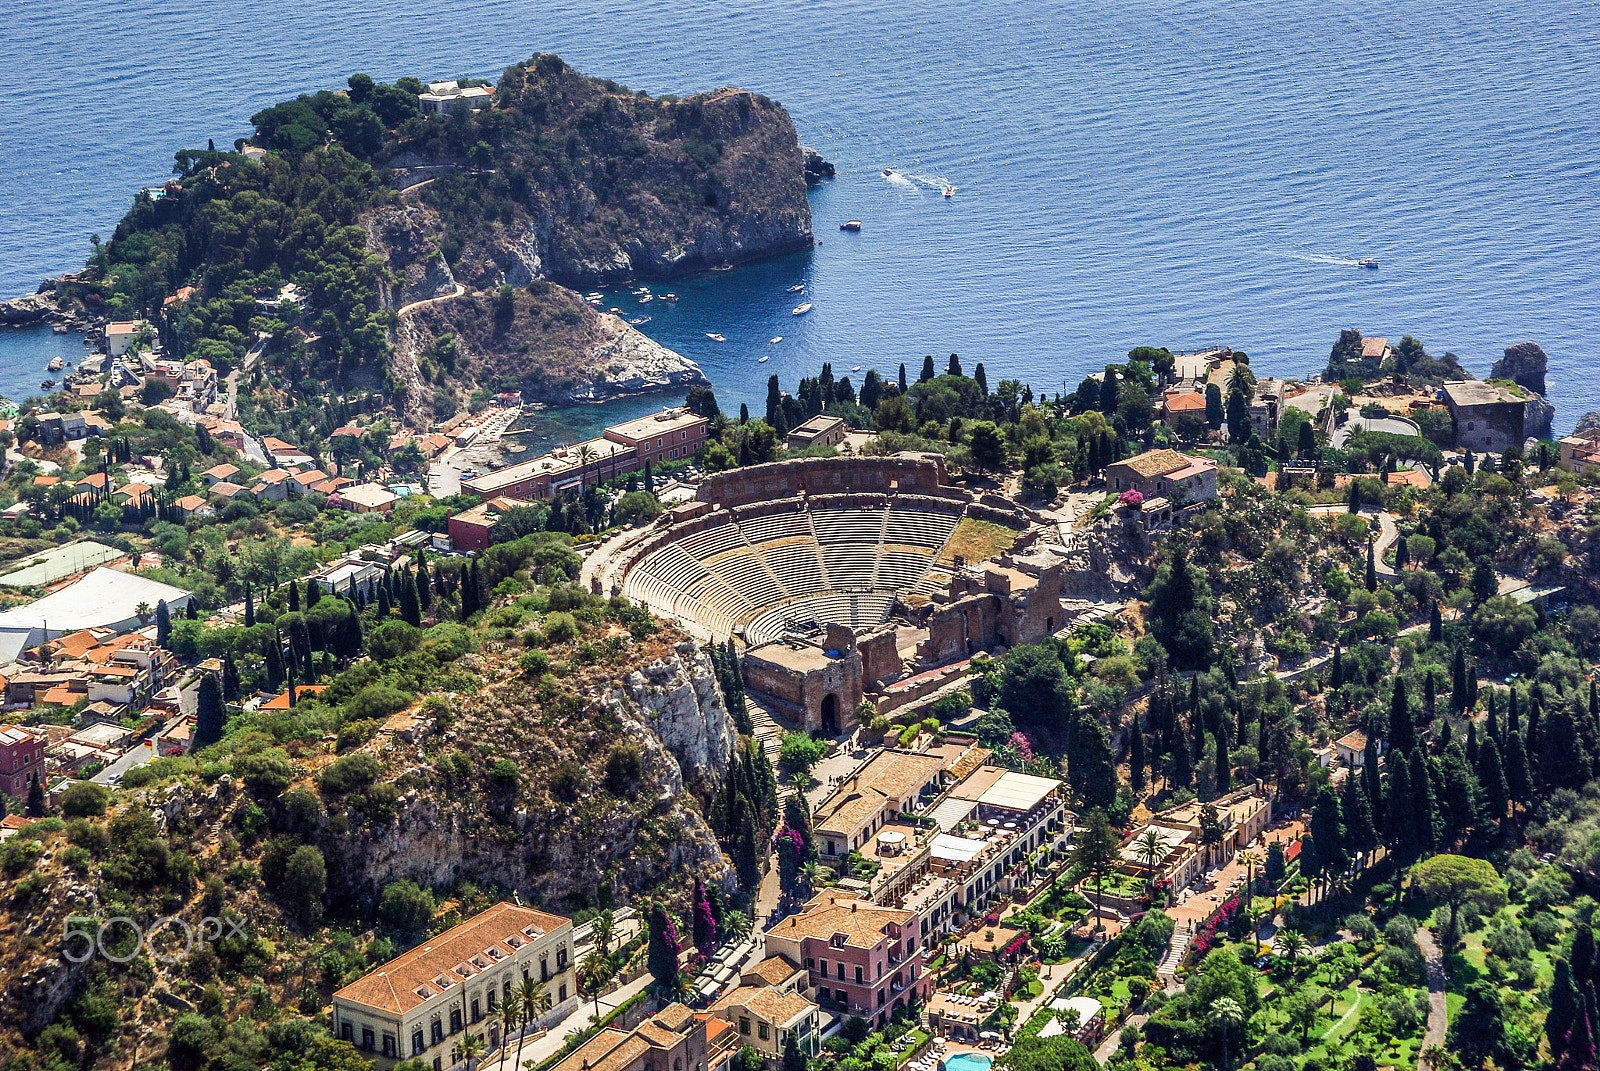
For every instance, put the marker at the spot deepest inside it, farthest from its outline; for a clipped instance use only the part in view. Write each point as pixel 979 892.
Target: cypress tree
pixel 1429 698
pixel 1136 758
pixel 1360 833
pixel 163 623
pixel 1402 732
pixel 410 608
pixel 746 861
pixel 1400 825
pixel 1423 802
pixel 1564 1005
pixel 1402 554
pixel 1327 829
pixel 1372 571
pixel 981 378
pixel 1224 774
pixel 1535 738
pixel 294 597
pixel 1492 778
pixel 954 367
pixel 209 720
pixel 927 369
pixel 662 950
pixel 1458 680
pixel 1370 784
pixel 384 606
pixel 1435 624
pixel 1336 676
pixel 313 592
pixel 1582 955
pixel 1472 743
pixel 1519 779
pixel 424 589
pixel 1492 724
pixel 36 805
pixel 1182 768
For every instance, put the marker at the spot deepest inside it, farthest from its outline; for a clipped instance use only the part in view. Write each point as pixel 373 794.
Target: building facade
pixel 418 1005
pixel 861 958
pixel 21 759
pixel 1165 474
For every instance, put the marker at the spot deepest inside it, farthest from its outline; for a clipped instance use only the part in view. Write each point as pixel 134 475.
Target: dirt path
pixel 430 301
pixel 1388 532
pixel 1438 1010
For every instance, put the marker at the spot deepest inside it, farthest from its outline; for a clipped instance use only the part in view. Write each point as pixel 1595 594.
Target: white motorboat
pixel 801 310
pixel 1369 262
pixel 714 337
pixel 796 288
pixel 774 340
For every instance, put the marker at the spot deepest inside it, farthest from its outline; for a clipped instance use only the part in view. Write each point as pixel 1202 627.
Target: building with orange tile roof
pixel 281 702
pixel 419 1004
pixel 861 958
pixel 765 1017
pixel 674 1039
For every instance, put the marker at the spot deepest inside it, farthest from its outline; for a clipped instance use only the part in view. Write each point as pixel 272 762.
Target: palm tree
pixel 1293 944
pixel 1226 1013
pixel 509 1019
pixel 532 1001
pixel 813 874
pixel 1251 860
pixel 470 1049
pixel 592 979
pixel 585 457
pixel 737 924
pixel 1150 849
pixel 602 929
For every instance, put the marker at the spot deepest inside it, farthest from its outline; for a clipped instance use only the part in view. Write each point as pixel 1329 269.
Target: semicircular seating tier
pixel 766 569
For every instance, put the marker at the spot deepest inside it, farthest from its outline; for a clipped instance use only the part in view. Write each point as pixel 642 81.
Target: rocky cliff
pixel 1525 364
pixel 588 183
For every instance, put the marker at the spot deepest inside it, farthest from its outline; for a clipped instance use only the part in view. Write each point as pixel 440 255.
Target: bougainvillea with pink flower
pixel 1131 499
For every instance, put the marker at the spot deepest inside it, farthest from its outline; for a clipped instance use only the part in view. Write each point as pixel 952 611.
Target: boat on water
pixel 714 337
pixel 56 364
pixel 613 310
pixel 593 295
pixel 644 298
pixel 855 368
pixel 796 288
pixel 1369 262
pixel 850 225
pixel 949 192
pixel 801 310
pixel 765 359
pixel 888 171
pixel 669 297
pixel 637 320
pixel 774 340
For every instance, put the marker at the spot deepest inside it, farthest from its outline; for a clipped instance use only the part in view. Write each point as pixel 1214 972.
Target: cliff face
pixel 592 184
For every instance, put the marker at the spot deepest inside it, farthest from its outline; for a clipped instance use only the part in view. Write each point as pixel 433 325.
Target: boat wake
pixel 1318 258
pixel 919 182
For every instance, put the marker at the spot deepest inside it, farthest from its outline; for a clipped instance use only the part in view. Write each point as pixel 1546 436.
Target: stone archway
pixel 831 726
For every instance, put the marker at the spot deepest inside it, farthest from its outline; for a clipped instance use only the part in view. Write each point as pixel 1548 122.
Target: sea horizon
pixel 1145 177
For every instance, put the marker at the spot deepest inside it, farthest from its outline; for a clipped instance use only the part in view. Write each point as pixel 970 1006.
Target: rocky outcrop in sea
pixel 1525 364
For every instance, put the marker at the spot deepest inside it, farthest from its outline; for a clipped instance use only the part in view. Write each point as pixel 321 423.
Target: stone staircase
pixel 770 735
pixel 1177 948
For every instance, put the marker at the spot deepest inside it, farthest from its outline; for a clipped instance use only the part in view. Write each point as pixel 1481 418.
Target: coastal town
pixel 1197 717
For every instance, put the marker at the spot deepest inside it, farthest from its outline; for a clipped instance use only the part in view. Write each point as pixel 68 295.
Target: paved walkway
pixel 1388 532
pixel 536 1049
pixel 1438 1008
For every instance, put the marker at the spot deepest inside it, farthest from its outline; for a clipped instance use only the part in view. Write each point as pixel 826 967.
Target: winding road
pixel 1388 532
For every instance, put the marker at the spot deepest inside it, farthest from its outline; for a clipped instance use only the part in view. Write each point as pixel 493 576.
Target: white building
pixel 105 599
pixel 442 98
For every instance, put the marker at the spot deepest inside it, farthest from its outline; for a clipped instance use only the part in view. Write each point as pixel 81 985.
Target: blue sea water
pixel 1127 173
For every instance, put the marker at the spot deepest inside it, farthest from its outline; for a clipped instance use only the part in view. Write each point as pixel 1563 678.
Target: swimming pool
pixel 967 1061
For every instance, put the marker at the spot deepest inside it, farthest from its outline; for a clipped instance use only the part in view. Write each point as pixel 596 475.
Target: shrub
pixel 406 907
pixel 392 639
pixel 560 627
pixel 624 768
pixel 353 734
pixel 84 798
pixel 534 663
pixel 799 752
pixel 267 772
pixel 349 774
pixel 376 702
pixel 952 705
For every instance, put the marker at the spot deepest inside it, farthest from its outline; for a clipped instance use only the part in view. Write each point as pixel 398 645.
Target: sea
pixel 1124 173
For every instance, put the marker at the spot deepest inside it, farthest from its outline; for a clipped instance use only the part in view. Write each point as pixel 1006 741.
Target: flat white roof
pixel 1016 791
pixel 1171 838
pixel 104 597
pixel 957 849
pixel 950 812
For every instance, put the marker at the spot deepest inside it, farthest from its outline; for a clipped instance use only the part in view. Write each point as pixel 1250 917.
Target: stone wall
pixel 831 475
